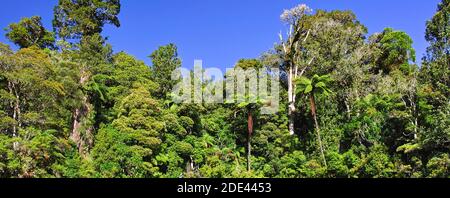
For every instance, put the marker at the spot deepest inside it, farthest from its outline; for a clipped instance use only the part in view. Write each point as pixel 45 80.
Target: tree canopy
pixel 352 105
pixel 30 32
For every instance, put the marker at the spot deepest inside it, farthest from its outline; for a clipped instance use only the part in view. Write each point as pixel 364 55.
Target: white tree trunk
pixel 291 100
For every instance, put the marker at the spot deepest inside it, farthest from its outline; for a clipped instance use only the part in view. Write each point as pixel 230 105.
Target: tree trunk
pixel 291 101
pixel 347 106
pixel 190 167
pixel 357 99
pixel 289 49
pixel 76 127
pixel 314 115
pixel 249 136
pixel 416 125
pixel 78 115
pixel 15 106
pixel 18 118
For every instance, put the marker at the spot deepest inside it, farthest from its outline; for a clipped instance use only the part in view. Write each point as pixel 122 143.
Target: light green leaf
pixel 308 89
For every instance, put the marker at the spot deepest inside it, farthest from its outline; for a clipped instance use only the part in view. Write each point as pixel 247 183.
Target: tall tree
pixel 436 67
pixel 75 19
pixel 249 108
pixel 434 93
pixel 125 148
pixel 438 34
pixel 165 60
pixel 291 54
pixel 30 32
pixel 337 44
pixel 313 87
pixel 36 90
pixel 396 50
pixel 82 22
pixel 250 111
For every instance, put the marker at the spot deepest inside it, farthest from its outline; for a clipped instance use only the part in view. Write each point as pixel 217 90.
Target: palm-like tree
pixel 312 87
pixel 250 109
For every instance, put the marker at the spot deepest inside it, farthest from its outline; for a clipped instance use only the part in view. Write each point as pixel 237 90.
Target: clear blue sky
pixel 222 31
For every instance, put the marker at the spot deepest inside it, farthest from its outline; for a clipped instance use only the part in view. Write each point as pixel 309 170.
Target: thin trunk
pixel 415 121
pixel 17 116
pixel 291 120
pixel 190 167
pixel 17 108
pixel 12 106
pixel 415 113
pixel 347 105
pixel 291 100
pixel 416 125
pixel 357 99
pixel 16 112
pixel 248 153
pixel 313 112
pixel 249 136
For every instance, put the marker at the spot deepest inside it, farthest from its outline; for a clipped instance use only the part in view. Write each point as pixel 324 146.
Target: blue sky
pixel 222 31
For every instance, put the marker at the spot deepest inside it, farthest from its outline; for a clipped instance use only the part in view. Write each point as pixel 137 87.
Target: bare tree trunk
pixel 289 47
pixel 291 101
pixel 347 105
pixel 293 74
pixel 190 167
pixel 17 117
pixel 249 150
pixel 76 127
pixel 416 125
pixel 314 115
pixel 415 113
pixel 249 138
pixel 78 115
pixel 15 106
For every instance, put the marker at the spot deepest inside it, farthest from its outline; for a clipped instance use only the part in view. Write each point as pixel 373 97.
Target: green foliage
pixel 395 49
pixel 117 155
pixel 377 163
pixel 30 32
pixel 439 166
pixel 165 61
pixel 76 19
pixel 438 34
pixel 433 94
pixel 84 111
pixel 316 85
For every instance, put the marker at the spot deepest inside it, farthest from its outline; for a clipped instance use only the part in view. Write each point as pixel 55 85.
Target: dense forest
pixel 352 105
